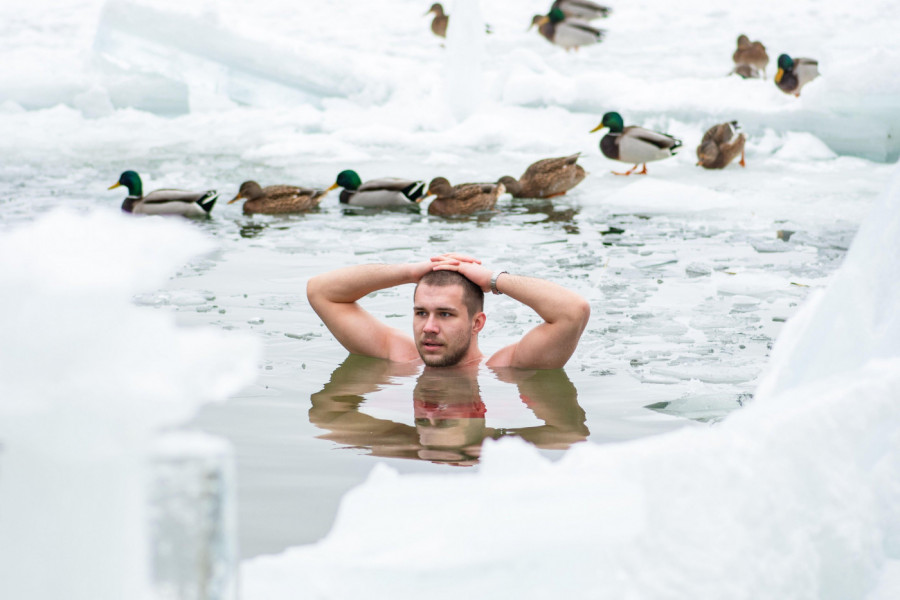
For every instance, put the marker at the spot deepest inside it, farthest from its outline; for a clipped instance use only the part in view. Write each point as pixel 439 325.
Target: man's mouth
pixel 431 345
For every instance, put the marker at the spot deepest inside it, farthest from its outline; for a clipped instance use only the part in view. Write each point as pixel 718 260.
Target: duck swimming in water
pixel 462 199
pixel 378 193
pixel 277 199
pixel 163 202
pixel 546 178
pixel 633 144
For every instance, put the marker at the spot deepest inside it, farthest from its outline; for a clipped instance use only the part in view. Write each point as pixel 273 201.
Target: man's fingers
pixel 456 256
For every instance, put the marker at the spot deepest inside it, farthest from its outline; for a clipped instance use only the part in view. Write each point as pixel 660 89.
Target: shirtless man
pixel 448 313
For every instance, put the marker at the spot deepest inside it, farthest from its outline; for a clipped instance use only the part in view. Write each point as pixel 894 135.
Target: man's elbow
pixel 314 290
pixel 581 312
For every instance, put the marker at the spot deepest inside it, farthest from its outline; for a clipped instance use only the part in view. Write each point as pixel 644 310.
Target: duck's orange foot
pixel 743 162
pixel 631 170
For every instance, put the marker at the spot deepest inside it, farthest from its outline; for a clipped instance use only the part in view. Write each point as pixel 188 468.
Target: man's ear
pixel 478 322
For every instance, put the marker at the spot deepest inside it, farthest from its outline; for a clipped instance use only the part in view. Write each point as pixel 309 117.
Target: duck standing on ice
pixel 633 144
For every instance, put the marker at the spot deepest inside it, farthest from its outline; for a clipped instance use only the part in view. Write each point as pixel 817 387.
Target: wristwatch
pixel 494 277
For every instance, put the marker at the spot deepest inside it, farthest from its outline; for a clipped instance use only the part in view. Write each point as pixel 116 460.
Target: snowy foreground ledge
pixel 796 496
pixel 87 380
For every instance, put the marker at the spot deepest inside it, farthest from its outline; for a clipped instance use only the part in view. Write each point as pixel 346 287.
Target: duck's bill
pixel 334 186
pixel 235 199
pixel 779 75
pixel 597 128
pixel 114 186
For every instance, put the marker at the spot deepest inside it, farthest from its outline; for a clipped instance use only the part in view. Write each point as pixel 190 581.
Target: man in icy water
pixel 448 313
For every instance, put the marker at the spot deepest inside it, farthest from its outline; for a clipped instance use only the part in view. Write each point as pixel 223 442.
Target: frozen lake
pixel 688 279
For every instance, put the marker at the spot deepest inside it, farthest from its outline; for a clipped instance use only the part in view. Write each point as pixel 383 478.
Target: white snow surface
pixel 86 379
pixel 795 496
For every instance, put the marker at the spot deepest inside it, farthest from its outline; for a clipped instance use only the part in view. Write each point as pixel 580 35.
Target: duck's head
pixel 538 20
pixel 349 180
pixel 556 15
pixel 613 120
pixel 743 41
pixel 437 9
pixel 439 186
pixel 132 181
pixel 249 190
pixel 785 63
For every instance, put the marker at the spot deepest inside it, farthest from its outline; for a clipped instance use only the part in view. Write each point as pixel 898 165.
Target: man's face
pixel 442 327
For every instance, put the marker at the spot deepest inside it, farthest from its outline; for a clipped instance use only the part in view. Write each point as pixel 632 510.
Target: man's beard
pixel 447 360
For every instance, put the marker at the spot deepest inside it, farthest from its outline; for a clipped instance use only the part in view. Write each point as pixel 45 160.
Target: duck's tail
pixel 208 200
pixel 415 191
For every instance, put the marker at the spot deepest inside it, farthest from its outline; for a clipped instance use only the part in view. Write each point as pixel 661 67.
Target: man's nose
pixel 431 324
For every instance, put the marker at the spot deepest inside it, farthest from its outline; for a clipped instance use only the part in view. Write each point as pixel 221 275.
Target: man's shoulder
pixel 503 357
pixel 400 347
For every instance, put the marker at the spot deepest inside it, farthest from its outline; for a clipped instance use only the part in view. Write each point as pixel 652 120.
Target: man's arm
pixel 334 295
pixel 565 315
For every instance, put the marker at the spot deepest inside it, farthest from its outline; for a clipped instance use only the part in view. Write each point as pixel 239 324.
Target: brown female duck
pixel 277 199
pixel 440 20
pixel 750 58
pixel 546 178
pixel 721 145
pixel 462 199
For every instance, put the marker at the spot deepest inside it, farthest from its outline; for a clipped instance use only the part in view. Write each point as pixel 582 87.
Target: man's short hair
pixel 473 296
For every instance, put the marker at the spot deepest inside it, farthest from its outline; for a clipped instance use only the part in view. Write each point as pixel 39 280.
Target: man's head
pixel 447 318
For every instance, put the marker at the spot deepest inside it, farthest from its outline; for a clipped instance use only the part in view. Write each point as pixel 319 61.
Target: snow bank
pixel 795 496
pixel 86 378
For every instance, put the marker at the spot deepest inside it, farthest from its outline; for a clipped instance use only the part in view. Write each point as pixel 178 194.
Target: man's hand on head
pixel 467 266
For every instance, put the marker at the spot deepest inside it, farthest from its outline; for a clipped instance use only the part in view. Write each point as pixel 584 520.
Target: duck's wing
pixel 573 33
pixel 467 198
pixel 806 69
pixel 721 133
pixel 550 165
pixel 663 141
pixel 175 202
pixel 393 184
pixel 582 9
pixel 284 192
pixel 162 196
pixel 410 189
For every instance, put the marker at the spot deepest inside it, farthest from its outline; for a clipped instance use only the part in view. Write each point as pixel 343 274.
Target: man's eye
pixel 446 314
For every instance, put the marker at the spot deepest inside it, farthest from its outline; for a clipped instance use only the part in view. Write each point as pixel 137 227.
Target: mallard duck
pixel 566 33
pixel 378 193
pixel 440 20
pixel 794 73
pixel 164 202
pixel 582 9
pixel 277 199
pixel 752 54
pixel 633 144
pixel 720 145
pixel 462 199
pixel 546 178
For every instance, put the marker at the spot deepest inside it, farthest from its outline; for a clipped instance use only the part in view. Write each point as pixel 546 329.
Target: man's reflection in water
pixel 449 413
